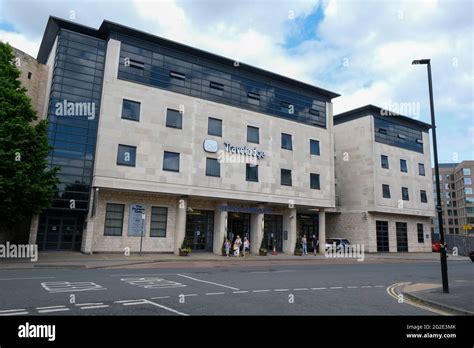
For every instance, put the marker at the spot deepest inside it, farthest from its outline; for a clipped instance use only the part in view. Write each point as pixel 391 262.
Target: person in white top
pixel 237 244
pixel 304 243
pixel 246 246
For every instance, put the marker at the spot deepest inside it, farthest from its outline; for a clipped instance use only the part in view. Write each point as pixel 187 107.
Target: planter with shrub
pixel 298 249
pixel 184 250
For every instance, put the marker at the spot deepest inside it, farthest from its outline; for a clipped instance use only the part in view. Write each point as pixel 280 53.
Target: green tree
pixel 27 185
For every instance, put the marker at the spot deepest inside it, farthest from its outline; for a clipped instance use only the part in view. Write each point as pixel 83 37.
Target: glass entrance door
pixel 273 232
pixel 60 232
pixel 238 224
pixel 200 230
pixel 309 225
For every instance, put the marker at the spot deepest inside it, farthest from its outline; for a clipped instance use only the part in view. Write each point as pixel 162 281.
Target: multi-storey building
pixel 161 143
pixel 383 181
pixel 457 198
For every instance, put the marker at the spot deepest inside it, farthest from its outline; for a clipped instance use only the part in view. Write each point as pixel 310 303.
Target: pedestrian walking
pixel 237 244
pixel 304 243
pixel 315 245
pixel 246 248
pixel 227 247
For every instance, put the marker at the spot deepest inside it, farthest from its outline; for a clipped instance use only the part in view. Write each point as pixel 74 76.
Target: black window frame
pixel 108 219
pixel 403 165
pixel 209 167
pixel 251 169
pixel 421 169
pixel 155 232
pixel 405 189
pixel 249 140
pixel 286 135
pixel 134 156
pixel 383 162
pixel 423 196
pixel 218 121
pixel 170 124
pixel 420 233
pixel 286 173
pixel 164 158
pixel 385 190
pixel 317 183
pixel 132 102
pixel 317 151
pixel 382 235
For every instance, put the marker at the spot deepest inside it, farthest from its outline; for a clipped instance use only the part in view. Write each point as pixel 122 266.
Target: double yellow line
pixel 391 290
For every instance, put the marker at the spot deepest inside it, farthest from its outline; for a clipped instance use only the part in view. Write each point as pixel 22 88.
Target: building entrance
pixel 199 230
pixel 273 232
pixel 238 224
pixel 308 224
pixel 60 231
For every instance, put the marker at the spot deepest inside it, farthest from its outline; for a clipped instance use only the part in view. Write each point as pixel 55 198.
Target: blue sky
pixel 359 49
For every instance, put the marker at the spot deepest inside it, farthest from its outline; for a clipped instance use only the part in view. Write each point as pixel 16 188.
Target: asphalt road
pixel 338 289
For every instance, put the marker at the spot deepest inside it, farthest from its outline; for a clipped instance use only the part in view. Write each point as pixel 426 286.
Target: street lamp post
pixel 443 256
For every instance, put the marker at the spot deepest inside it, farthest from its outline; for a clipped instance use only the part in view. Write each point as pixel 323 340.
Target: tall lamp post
pixel 443 257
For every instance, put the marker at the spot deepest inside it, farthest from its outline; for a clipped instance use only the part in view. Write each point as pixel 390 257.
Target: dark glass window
pixel 158 221
pixel 213 167
pixel 113 219
pixel 253 98
pixel 214 127
pixel 251 172
pixel 171 161
pixel 253 135
pixel 131 110
pixel 420 232
pixel 314 147
pixel 286 141
pixel 126 155
pixel 421 169
pixel 285 177
pixel 423 197
pixel 383 131
pixel 314 181
pixel 177 75
pixel 174 119
pixel 386 191
pixel 405 196
pixel 402 236
pixel 403 166
pixel 384 161
pixel 382 236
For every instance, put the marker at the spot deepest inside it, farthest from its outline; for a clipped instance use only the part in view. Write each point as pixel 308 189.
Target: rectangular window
pixel 466 171
pixel 216 86
pixel 285 177
pixel 214 127
pixel 253 98
pixel 384 161
pixel 158 223
pixel 314 112
pixel 314 181
pixel 405 196
pixel 386 191
pixel 113 219
pixel 213 167
pixel 468 190
pixel 136 64
pixel 130 110
pixel 126 155
pixel 467 181
pixel 177 75
pixel 403 166
pixel 314 147
pixel 402 136
pixel 174 119
pixel 286 141
pixel 253 135
pixel 423 197
pixel 402 236
pixel 420 232
pixel 171 161
pixel 381 228
pixel 383 131
pixel 421 169
pixel 251 172
pixel 450 212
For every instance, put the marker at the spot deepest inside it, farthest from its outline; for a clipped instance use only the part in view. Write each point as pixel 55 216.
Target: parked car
pixel 340 243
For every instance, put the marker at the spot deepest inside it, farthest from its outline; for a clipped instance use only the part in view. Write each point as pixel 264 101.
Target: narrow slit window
pixel 136 64
pixel 216 86
pixel 314 112
pixel 383 131
pixel 254 96
pixel 177 75
pixel 402 136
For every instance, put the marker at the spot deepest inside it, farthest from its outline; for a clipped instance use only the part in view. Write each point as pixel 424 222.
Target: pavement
pixel 222 288
pixel 72 260
pixel 459 300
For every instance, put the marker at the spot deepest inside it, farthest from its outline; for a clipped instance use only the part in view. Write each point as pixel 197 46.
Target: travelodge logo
pixel 210 145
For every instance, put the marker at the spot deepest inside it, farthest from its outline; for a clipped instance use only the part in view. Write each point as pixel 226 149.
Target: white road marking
pixel 205 281
pixel 50 307
pixel 240 292
pixel 352 287
pixel 366 286
pixel 63 286
pixel 282 271
pixel 152 283
pixel 335 287
pixel 261 290
pixel 12 310
pixel 160 297
pixel 318 288
pixel 53 310
pixel 13 313
pixel 281 289
pixel 167 308
pixel 379 286
pixel 92 307
pixel 215 293
pixel 185 295
pixel 300 289
pixel 27 278
pixel 89 304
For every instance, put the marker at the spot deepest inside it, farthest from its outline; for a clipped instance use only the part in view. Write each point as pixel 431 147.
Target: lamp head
pixel 420 61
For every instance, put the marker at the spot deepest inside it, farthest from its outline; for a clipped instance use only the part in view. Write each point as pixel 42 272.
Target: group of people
pixel 237 246
pixel 314 242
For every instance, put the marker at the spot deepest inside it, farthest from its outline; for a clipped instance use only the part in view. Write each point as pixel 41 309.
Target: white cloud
pixel 21 42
